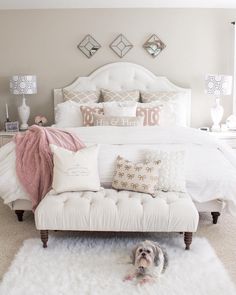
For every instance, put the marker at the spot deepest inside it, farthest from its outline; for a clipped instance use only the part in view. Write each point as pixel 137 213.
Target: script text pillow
pixel 172 169
pixel 88 112
pixel 75 171
pixel 128 95
pixel 101 120
pixel 81 96
pixel 140 177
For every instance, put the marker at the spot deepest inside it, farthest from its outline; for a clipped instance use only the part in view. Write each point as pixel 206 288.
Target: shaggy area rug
pixel 90 266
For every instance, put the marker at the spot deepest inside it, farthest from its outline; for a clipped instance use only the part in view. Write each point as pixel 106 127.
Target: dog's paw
pixel 128 278
pixel 146 280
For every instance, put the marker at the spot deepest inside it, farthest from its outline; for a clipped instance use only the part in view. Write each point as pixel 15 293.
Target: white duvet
pixel 210 165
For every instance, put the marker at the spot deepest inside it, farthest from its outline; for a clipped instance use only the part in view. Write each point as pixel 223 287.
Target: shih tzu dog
pixel 149 262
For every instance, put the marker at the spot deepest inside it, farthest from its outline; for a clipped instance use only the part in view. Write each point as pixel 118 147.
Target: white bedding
pixel 210 169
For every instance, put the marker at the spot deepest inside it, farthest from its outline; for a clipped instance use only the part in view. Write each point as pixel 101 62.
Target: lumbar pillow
pixel 120 109
pixel 140 177
pixel 127 95
pixel 75 171
pixel 88 112
pixel 172 169
pixel 101 120
pixel 81 96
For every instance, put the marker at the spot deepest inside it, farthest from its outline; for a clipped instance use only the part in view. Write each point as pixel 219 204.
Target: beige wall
pixel 43 42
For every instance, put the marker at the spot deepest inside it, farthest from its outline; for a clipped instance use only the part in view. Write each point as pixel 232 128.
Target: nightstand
pixel 5 137
pixel 228 137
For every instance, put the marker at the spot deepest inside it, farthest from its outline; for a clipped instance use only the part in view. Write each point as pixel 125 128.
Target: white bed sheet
pixel 210 165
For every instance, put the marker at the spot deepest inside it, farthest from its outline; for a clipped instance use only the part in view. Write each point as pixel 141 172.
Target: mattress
pixel 210 165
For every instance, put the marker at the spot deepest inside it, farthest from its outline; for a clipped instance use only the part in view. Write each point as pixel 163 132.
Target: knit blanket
pixel 34 159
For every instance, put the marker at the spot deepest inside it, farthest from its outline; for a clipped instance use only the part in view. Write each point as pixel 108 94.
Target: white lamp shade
pixel 218 85
pixel 23 84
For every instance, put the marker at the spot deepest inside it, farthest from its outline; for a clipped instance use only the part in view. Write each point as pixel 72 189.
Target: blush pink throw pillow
pixel 151 115
pixel 87 114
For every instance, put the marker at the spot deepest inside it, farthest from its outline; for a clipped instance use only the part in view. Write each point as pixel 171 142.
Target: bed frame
pixel 127 76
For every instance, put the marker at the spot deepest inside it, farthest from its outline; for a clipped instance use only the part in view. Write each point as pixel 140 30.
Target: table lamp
pixel 217 85
pixel 23 84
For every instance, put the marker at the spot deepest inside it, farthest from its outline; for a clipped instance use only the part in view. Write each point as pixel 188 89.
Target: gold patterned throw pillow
pixel 81 96
pixel 126 95
pixel 159 96
pixel 138 177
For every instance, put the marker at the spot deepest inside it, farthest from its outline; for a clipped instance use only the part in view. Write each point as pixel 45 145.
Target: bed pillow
pixel 75 171
pixel 68 114
pixel 173 106
pixel 101 120
pixel 150 113
pixel 120 109
pixel 127 95
pixel 88 112
pixel 81 96
pixel 172 169
pixel 140 177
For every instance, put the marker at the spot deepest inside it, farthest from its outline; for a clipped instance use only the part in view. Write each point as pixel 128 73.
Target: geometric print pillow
pixel 81 96
pixel 127 95
pixel 138 177
pixel 160 96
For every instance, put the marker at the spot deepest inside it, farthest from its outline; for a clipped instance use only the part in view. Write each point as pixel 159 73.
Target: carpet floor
pixel 97 266
pixel 222 237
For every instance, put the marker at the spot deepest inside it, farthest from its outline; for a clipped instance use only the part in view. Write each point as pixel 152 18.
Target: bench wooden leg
pixel 188 239
pixel 215 216
pixel 19 214
pixel 44 237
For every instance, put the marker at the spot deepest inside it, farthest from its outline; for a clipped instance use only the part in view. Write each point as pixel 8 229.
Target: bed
pixel 211 166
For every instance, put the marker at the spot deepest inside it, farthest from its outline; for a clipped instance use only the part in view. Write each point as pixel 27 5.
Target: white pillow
pixel 173 103
pixel 75 171
pixel 68 114
pixel 120 109
pixel 172 169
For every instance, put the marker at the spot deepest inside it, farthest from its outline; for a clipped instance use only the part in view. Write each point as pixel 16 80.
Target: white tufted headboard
pixel 125 76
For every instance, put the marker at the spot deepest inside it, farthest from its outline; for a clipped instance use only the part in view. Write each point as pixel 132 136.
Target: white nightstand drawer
pixel 228 137
pixel 6 139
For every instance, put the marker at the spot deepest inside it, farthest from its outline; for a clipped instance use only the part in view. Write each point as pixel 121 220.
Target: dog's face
pixel 147 252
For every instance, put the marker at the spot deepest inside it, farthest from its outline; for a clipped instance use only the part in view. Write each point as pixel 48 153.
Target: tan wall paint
pixel 43 42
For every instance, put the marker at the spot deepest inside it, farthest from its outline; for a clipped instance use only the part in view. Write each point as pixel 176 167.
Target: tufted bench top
pixel 111 210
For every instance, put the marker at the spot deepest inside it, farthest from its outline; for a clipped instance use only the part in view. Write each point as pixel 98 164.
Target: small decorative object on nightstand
pixel 40 120
pixel 23 85
pixel 12 126
pixel 228 137
pixel 217 85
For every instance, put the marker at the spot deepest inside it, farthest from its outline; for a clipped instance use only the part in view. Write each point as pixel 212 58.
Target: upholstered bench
pixel 118 211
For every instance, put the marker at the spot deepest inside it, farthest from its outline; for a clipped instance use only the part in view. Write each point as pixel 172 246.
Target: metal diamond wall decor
pixel 154 46
pixel 89 46
pixel 121 46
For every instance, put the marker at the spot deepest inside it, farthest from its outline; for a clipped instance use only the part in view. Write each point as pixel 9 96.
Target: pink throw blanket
pixel 34 161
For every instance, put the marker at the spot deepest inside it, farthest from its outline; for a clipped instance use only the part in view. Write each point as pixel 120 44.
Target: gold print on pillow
pixel 140 177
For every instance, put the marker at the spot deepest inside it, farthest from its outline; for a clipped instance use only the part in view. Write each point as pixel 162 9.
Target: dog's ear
pixel 166 260
pixel 156 255
pixel 133 254
pixel 156 250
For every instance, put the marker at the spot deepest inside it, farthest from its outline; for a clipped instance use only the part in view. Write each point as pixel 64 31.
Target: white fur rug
pixel 90 266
